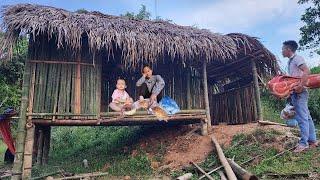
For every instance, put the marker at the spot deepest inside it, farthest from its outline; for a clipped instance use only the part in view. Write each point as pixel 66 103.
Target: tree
pixel 142 15
pixel 310 32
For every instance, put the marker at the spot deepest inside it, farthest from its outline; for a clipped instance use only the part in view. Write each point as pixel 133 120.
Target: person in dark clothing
pixel 149 85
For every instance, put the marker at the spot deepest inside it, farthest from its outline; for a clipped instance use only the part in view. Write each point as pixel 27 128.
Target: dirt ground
pixel 183 146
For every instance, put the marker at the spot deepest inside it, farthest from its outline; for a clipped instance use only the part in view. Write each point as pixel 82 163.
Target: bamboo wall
pixel 236 106
pixel 55 83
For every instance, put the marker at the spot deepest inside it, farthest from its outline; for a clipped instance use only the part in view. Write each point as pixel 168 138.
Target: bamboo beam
pixel 223 160
pixel 59 62
pixel 257 90
pixel 77 101
pixel 18 160
pixel 191 111
pixel 206 94
pixel 240 172
pixel 117 121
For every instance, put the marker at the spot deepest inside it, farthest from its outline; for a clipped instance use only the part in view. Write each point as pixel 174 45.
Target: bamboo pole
pixel 206 94
pixel 29 141
pixel 240 172
pixel 18 161
pixel 223 160
pixel 257 90
pixel 188 89
pixel 77 101
pixel 222 175
pixel 27 164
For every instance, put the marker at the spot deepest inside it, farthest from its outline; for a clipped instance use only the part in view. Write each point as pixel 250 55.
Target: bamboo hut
pixel 75 58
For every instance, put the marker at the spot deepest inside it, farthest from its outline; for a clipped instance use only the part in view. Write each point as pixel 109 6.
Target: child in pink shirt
pixel 120 98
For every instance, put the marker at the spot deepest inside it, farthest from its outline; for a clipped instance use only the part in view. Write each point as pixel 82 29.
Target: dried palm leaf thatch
pixel 139 40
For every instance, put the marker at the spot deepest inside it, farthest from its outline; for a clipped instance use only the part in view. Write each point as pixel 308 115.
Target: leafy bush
pixel 314 99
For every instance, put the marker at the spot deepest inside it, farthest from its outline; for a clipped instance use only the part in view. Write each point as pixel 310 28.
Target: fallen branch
pixel 223 160
pixel 201 170
pixel 220 167
pixel 293 175
pixel 240 172
pixel 84 176
pixel 271 123
pixel 44 176
pixel 279 154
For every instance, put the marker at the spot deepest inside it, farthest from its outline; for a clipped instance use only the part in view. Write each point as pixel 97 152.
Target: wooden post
pixel 204 127
pixel 46 145
pixel 188 89
pixel 29 141
pixel 77 94
pixel 257 90
pixel 206 94
pixel 40 147
pixel 18 160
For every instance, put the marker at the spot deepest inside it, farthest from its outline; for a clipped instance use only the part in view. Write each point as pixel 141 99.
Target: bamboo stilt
pixel 206 94
pixel 27 160
pixel 29 141
pixel 18 161
pixel 257 90
pixel 40 147
pixel 46 145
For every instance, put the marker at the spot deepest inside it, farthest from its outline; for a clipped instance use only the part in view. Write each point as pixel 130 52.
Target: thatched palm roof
pixel 139 39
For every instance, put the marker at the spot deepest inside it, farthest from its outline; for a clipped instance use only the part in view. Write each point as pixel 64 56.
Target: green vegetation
pixel 310 34
pixel 3 149
pixel 106 149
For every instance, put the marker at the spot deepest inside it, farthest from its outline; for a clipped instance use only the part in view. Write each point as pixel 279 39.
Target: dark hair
pixel 291 44
pixel 121 78
pixel 146 65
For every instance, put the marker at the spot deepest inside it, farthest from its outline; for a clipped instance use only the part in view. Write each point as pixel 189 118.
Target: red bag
pixel 282 86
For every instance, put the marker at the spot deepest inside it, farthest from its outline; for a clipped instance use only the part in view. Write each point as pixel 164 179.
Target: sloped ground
pixel 182 148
